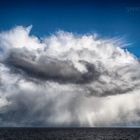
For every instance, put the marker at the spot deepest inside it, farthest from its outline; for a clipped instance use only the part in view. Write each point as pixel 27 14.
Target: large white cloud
pixel 67 80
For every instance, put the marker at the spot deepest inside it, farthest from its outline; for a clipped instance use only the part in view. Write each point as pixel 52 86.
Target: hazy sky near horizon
pixel 107 18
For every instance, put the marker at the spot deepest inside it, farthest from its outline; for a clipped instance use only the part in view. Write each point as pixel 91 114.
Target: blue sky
pixel 107 18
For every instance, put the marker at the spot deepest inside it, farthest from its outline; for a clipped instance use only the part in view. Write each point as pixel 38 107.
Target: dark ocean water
pixel 69 134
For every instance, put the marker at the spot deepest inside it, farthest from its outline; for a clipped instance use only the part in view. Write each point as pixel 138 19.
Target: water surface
pixel 69 133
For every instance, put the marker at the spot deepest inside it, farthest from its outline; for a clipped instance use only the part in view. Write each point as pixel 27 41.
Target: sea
pixel 69 133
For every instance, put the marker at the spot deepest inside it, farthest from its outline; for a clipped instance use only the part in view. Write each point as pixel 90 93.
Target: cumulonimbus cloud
pixel 67 80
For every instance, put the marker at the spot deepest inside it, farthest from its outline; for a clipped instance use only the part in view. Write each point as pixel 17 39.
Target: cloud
pixel 67 80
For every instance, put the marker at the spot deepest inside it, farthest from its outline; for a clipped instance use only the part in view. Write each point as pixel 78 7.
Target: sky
pixel 106 18
pixel 69 63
